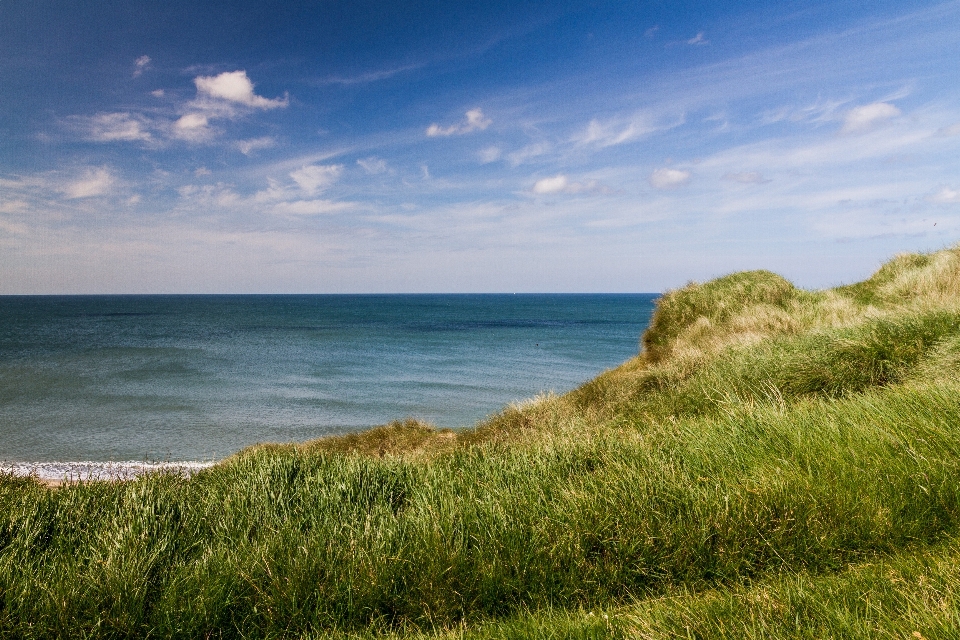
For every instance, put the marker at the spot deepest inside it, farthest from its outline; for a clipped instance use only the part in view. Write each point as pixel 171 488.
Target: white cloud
pixel 312 207
pixel 158 93
pixel 945 195
pixel 561 184
pixel 211 195
pixel 822 110
pixel 668 178
pixel 95 182
pixel 247 147
pixel 609 134
pixel 952 130
pixel 490 154
pixel 555 184
pixel 698 39
pixel 316 177
pixel 13 206
pixel 112 127
pixel 235 86
pixel 372 76
pixel 202 171
pixel 193 127
pixel 140 65
pixel 530 151
pixel 473 121
pixel 746 177
pixel 13 228
pixel 373 165
pixel 866 117
pixel 624 129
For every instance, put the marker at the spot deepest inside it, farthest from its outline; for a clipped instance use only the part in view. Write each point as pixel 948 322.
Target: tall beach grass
pixel 767 440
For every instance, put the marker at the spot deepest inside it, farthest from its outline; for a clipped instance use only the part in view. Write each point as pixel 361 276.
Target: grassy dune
pixel 775 463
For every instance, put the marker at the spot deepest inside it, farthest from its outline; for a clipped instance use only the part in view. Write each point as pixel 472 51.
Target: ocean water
pixel 196 378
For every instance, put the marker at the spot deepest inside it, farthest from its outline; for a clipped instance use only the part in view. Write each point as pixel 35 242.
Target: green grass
pixel 769 459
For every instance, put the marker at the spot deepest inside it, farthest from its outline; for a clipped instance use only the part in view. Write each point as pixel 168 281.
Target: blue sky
pixel 368 146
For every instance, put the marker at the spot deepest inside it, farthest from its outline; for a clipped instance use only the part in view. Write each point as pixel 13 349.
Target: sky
pixel 437 146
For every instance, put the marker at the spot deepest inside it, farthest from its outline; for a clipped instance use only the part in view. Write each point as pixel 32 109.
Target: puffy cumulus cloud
pixel 140 65
pixel 746 177
pixel 867 117
pixel 312 207
pixel 235 87
pixel 95 182
pixel 112 127
pixel 316 177
pixel 556 184
pixel 562 184
pixel 667 178
pixel 373 165
pixel 490 154
pixel 248 147
pixel 474 120
pixel 945 195
pixel 193 127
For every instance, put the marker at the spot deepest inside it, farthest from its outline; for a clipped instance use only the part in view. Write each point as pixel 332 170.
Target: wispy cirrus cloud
pixel 315 178
pixel 252 145
pixel 619 130
pixel 518 157
pixel 373 165
pixel 370 76
pixel 112 127
pixel 746 177
pixel 312 207
pixel 72 184
pixel 489 154
pixel 140 65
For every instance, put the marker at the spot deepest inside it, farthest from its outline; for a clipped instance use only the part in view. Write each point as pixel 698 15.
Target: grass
pixel 761 469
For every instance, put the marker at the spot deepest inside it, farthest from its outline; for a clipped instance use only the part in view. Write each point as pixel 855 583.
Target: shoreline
pixel 55 474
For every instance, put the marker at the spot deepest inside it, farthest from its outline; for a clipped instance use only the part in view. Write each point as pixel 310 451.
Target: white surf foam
pixel 99 470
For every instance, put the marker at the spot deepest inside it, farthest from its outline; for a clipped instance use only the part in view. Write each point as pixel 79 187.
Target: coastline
pixel 54 474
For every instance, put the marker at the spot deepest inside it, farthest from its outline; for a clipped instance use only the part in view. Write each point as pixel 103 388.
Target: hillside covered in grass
pixel 774 463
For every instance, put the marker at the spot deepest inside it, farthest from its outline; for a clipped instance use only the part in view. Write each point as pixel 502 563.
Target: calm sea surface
pixel 181 378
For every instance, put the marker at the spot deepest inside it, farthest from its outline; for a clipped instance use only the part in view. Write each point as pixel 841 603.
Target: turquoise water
pixel 191 378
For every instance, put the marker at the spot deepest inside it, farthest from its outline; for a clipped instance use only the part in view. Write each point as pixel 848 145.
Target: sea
pixel 107 386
